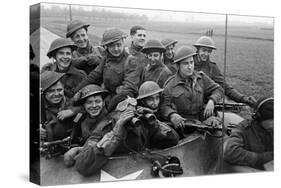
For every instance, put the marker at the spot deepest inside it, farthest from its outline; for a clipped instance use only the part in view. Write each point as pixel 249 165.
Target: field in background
pixel 249 52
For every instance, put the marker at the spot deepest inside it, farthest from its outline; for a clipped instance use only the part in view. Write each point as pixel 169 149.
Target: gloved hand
pixel 209 109
pixel 249 100
pixel 177 121
pixel 65 114
pixel 94 60
pixel 70 155
pixel 77 96
pixel 213 121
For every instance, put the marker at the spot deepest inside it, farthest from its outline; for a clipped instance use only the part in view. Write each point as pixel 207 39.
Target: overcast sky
pixel 159 15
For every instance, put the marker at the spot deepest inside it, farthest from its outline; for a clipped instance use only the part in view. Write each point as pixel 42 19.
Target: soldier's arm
pixel 95 77
pixel 131 78
pixel 167 108
pixel 229 90
pixel 96 151
pixel 212 90
pixel 79 62
pixel 235 153
pixel 96 57
pixel 163 136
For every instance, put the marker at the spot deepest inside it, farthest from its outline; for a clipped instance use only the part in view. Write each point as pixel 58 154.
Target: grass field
pixel 250 51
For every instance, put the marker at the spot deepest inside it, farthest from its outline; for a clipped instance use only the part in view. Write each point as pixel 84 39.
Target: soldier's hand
pixel 94 60
pixel 70 155
pixel 213 121
pixel 76 97
pixel 65 114
pixel 177 121
pixel 126 116
pixel 249 100
pixel 144 110
pixel 43 133
pixel 209 109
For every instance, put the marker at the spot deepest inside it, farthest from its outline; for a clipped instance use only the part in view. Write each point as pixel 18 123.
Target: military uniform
pixel 57 129
pixel 186 97
pixel 158 73
pixel 170 64
pixel 211 69
pixel 87 59
pixel 116 73
pixel 249 145
pixel 107 139
pixel 70 80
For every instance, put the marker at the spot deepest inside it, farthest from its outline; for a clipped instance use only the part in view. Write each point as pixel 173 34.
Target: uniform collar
pixel 180 80
pixel 85 51
pixel 135 49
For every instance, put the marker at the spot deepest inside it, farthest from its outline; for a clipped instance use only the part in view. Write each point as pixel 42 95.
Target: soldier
pixel 92 99
pixel 251 143
pixel 138 36
pixel 86 57
pixel 148 103
pixel 184 93
pixel 127 133
pixel 205 45
pixel 56 110
pixel 169 44
pixel 61 51
pixel 117 71
pixel 155 70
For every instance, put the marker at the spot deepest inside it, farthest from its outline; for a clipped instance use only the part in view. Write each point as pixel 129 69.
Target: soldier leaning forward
pixel 61 51
pixel 251 143
pixel 148 104
pixel 205 45
pixel 169 54
pixel 124 134
pixel 185 93
pixel 57 111
pixel 155 70
pixel 117 71
pixel 86 57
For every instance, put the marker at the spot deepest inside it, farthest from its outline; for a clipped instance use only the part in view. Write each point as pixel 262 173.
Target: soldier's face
pixel 268 125
pixel 204 53
pixel 154 57
pixel 63 57
pixel 138 39
pixel 186 67
pixel 152 102
pixel 94 105
pixel 170 51
pixel 80 38
pixel 55 94
pixel 116 48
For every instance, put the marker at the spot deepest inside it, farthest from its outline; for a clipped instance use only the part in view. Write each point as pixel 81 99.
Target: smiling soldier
pixel 86 57
pixel 61 52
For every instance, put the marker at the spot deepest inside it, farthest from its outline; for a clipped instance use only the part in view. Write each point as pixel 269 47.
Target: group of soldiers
pixel 126 99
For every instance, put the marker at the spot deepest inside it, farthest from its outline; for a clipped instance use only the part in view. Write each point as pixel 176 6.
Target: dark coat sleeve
pixel 235 152
pixel 212 90
pixel 232 93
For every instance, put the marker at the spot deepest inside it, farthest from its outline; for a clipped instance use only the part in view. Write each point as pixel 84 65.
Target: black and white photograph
pixel 120 93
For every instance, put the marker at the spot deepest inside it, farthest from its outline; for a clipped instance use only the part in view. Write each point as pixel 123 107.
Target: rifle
pixel 206 128
pixel 233 107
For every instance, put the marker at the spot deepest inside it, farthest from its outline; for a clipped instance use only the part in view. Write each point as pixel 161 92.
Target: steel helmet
pixel 153 45
pixel 49 78
pixel 112 35
pixel 60 43
pixel 205 41
pixel 90 90
pixel 148 88
pixel 167 42
pixel 74 26
pixel 183 52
